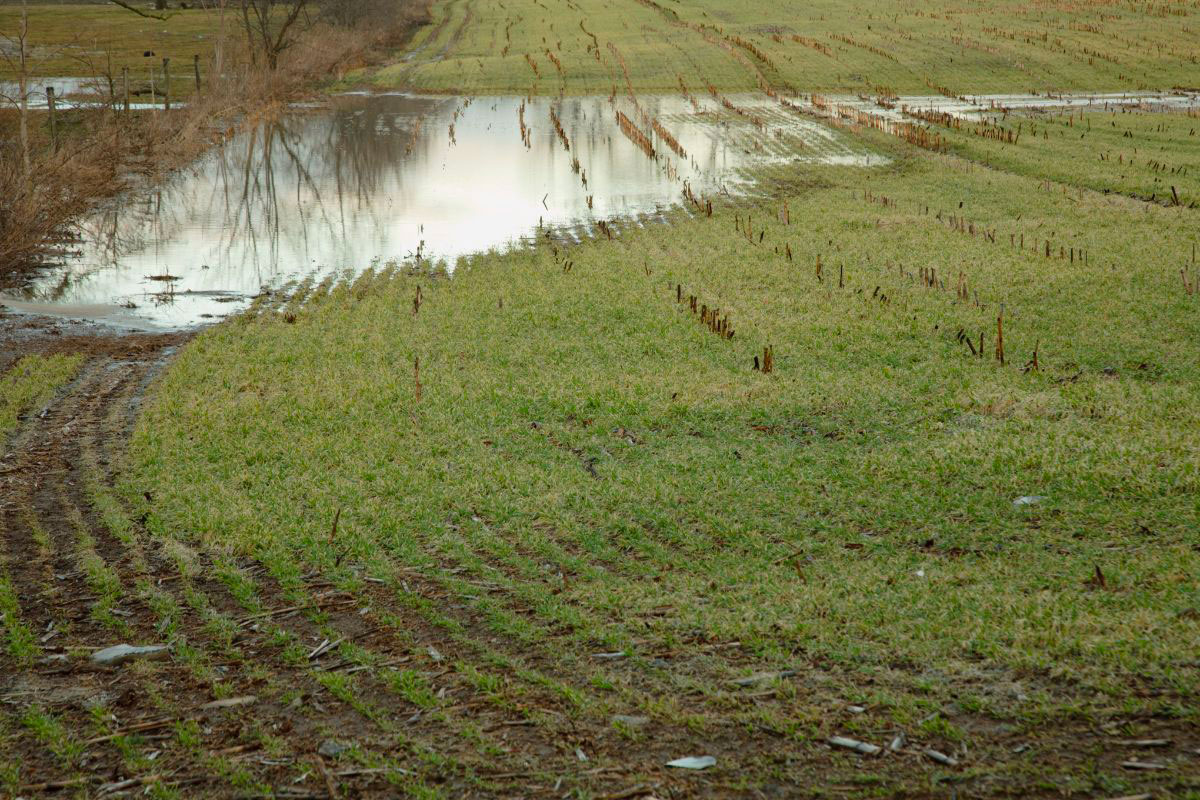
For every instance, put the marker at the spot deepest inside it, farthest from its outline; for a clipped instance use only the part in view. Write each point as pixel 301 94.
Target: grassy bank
pixel 586 468
pixel 866 47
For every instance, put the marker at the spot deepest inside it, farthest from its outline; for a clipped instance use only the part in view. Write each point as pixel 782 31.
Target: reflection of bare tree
pixel 324 192
pixel 271 197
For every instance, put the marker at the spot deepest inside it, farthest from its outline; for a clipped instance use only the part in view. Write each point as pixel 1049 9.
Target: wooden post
pixel 152 100
pixel 196 67
pixel 125 79
pixel 53 121
pixel 167 84
pixel 1000 337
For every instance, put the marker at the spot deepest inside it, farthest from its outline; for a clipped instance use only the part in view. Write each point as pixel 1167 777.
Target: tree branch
pixel 138 11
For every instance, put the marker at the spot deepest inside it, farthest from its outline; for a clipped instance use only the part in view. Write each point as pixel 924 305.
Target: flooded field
pixel 615 399
pixel 395 178
pixel 398 178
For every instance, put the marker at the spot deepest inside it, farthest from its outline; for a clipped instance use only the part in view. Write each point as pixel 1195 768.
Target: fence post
pixel 196 67
pixel 53 121
pixel 125 79
pixel 153 99
pixel 167 84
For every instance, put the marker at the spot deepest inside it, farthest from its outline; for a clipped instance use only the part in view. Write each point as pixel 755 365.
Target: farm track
pixel 459 31
pixel 415 57
pixel 60 462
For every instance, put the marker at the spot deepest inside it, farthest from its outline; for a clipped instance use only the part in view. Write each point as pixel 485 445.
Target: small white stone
pixel 119 654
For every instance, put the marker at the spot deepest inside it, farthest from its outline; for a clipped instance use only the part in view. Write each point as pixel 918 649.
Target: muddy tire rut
pixel 255 698
pixel 229 714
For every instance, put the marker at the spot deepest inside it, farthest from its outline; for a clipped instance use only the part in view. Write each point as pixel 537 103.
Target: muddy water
pixel 395 178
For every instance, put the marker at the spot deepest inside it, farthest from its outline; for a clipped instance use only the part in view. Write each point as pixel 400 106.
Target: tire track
pixel 82 436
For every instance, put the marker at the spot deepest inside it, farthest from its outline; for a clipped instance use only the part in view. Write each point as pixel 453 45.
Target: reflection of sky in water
pixel 984 105
pixel 378 178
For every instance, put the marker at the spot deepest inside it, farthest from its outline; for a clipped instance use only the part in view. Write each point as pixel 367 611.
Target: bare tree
pixel 218 63
pixel 159 5
pixel 271 28
pixel 20 64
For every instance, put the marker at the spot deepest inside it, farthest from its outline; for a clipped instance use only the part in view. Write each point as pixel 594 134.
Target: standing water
pixel 383 178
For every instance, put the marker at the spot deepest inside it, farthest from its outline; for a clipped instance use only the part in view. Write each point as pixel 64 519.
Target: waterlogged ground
pixel 394 178
pixel 383 178
pixel 994 106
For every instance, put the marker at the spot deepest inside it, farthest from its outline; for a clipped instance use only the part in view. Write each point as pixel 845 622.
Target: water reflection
pixel 394 177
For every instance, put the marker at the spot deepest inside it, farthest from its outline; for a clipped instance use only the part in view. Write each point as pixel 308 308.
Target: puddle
pixel 976 106
pixel 380 178
pixel 37 87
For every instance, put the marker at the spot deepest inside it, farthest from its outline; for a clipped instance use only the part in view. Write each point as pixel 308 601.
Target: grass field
pixel 535 528
pixel 1142 154
pixel 867 47
pixel 589 469
pixel 77 40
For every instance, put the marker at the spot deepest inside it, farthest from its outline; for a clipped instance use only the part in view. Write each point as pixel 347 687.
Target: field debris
pixel 324 647
pixel 762 677
pixel 332 748
pixel 630 721
pixel 941 758
pixel 229 702
pixel 693 762
pixel 121 653
pixel 866 748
